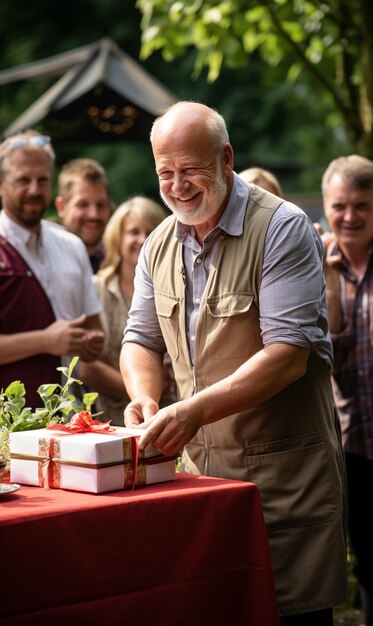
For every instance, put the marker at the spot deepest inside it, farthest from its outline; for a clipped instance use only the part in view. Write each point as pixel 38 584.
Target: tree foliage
pixel 291 127
pixel 331 41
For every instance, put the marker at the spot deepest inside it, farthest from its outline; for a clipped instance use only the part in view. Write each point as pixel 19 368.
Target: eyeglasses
pixel 21 141
pixel 37 141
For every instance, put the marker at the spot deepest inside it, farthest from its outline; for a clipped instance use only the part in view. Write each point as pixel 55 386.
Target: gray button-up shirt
pixel 292 303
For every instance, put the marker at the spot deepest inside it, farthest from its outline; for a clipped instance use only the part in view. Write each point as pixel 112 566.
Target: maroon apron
pixel 24 306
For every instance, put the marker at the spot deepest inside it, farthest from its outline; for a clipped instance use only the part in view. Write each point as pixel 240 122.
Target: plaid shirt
pixel 353 354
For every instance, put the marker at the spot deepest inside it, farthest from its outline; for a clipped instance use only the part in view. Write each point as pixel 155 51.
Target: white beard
pixel 204 211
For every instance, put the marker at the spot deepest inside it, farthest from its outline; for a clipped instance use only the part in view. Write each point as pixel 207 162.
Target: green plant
pixel 58 400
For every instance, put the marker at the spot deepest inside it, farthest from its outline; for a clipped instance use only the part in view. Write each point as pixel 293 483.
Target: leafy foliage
pixel 330 41
pixel 289 126
pixel 58 403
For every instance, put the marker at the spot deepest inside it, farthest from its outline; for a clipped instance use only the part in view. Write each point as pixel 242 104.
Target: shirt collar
pixel 113 285
pixel 231 222
pixel 16 233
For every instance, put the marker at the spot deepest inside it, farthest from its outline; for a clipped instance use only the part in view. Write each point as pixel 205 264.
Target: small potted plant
pixel 59 404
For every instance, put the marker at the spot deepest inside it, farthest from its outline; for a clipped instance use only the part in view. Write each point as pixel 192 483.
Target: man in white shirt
pixel 50 306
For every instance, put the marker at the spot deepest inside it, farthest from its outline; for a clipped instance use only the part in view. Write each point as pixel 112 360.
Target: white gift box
pixel 91 462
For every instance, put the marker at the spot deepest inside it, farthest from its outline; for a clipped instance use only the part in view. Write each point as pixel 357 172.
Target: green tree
pixel 331 41
pixel 291 128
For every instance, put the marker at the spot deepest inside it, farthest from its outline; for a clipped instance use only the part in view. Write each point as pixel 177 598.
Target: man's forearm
pixel 261 377
pixel 17 346
pixel 103 378
pixel 264 375
pixel 142 371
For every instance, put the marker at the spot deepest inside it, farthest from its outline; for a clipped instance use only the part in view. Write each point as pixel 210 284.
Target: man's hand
pixel 139 411
pixel 172 427
pixel 66 337
pixel 93 345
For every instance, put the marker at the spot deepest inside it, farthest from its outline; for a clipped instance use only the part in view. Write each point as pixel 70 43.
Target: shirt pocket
pixel 232 326
pixel 168 311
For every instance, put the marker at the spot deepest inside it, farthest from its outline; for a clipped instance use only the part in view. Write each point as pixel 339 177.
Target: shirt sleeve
pixel 142 324
pixel 292 293
pixel 67 274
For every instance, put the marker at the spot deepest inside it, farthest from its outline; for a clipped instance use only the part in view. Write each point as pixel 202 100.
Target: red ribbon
pixel 82 423
pixel 48 467
pixel 134 459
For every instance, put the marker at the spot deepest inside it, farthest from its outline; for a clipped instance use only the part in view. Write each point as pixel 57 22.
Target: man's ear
pixel 60 206
pixel 228 160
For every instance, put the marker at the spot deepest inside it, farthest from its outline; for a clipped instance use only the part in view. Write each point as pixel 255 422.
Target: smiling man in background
pixel 49 308
pixel 83 204
pixel 347 188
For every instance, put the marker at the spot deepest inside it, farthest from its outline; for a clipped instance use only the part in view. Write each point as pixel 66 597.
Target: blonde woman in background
pixel 124 236
pixel 263 178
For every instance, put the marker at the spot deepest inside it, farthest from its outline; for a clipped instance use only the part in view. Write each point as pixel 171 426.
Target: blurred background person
pixel 124 236
pixel 83 204
pixel 347 188
pixel 49 308
pixel 263 178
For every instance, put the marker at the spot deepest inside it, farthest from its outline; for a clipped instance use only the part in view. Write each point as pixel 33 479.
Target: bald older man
pixel 232 286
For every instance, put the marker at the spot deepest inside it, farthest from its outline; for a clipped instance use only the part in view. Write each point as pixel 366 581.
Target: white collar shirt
pixel 60 262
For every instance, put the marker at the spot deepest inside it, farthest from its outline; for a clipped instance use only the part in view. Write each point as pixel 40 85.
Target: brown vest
pixel 289 446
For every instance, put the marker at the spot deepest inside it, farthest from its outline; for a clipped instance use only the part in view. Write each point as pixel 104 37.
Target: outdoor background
pixel 293 80
pixel 290 127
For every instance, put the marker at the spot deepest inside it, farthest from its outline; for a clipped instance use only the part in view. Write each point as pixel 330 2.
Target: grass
pixel 349 614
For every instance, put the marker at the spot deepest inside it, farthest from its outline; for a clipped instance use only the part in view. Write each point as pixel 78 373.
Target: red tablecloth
pixel 184 553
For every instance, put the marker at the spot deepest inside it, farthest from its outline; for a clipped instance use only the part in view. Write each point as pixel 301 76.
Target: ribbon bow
pixel 82 423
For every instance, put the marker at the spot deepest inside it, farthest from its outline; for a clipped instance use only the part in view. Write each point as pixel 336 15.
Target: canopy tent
pixel 104 95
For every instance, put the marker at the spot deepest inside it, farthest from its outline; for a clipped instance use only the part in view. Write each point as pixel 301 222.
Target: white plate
pixel 6 488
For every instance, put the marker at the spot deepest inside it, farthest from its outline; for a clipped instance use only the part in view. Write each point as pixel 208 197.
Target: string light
pixel 113 119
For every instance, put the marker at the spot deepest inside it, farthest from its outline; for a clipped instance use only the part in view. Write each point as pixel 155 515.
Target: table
pixel 184 553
